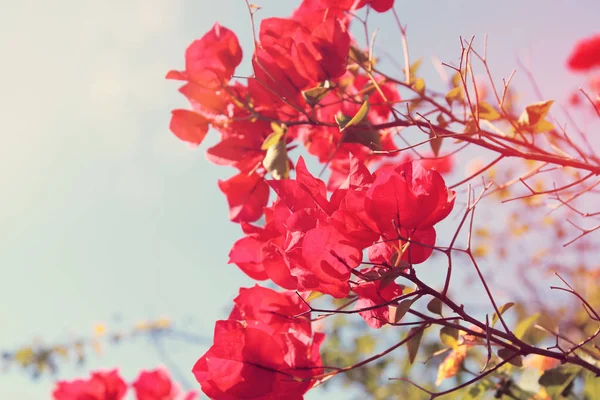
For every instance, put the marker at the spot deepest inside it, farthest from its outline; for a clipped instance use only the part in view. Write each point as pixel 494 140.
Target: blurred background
pixel 107 221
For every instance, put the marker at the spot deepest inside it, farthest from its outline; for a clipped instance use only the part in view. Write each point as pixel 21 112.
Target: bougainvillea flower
pixel 443 164
pixel 277 309
pixel 211 60
pixel 586 54
pixel 207 102
pixel 241 152
pixel 251 360
pixel 418 251
pixel 327 260
pixel 307 56
pixel 100 386
pixel 377 5
pixel 305 191
pixel 189 126
pixel 157 385
pixel 408 196
pixel 246 195
pixel 260 253
pixel 373 293
pixel 311 12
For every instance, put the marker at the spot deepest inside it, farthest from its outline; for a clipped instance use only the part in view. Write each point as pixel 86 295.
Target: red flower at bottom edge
pixel 100 386
pixel 249 360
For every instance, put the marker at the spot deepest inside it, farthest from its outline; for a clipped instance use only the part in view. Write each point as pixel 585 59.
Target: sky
pixel 105 214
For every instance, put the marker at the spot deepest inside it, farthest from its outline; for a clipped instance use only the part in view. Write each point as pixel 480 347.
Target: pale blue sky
pixel 103 211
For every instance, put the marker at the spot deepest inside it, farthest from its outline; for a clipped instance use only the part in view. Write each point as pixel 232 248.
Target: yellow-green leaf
pixel 397 311
pixel 435 306
pixel 455 94
pixel 361 57
pixel 507 354
pixel 471 127
pixel 413 69
pixel 313 295
pixel 435 143
pixel 479 389
pixel 357 119
pixel 486 111
pixel 441 121
pixel 502 309
pixel 449 336
pixel 419 85
pixel 533 118
pixel 537 111
pixel 524 325
pixel 542 126
pixel 456 80
pixel 315 95
pixel 414 343
pixel 363 134
pixel 271 140
pixel 591 385
pixel 276 160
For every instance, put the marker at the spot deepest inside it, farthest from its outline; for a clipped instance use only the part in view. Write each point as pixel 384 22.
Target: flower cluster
pixel 149 385
pixel 265 350
pixel 312 243
pixel 313 85
pixel 306 68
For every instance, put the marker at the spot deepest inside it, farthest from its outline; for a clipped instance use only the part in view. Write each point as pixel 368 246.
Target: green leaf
pixel 471 127
pixel 388 277
pixel 314 95
pixel 507 354
pixel 435 143
pixel 478 390
pixel 533 118
pixel 591 385
pixel 435 306
pixel 542 126
pixel 313 295
pixel 412 70
pixel 502 309
pixel 364 134
pixel 276 160
pixel 486 111
pixel 413 344
pixel 441 121
pixel 557 380
pixel 272 140
pixel 524 325
pixel 455 94
pixel 398 311
pixel 449 336
pixel 456 80
pixel 357 119
pixel 536 112
pixel 419 85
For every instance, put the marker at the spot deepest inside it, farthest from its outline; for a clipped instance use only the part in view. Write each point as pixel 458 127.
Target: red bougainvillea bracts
pixel 311 85
pixel 149 385
pixel 157 385
pixel 251 360
pixel 586 54
pixel 323 239
pixel 100 386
